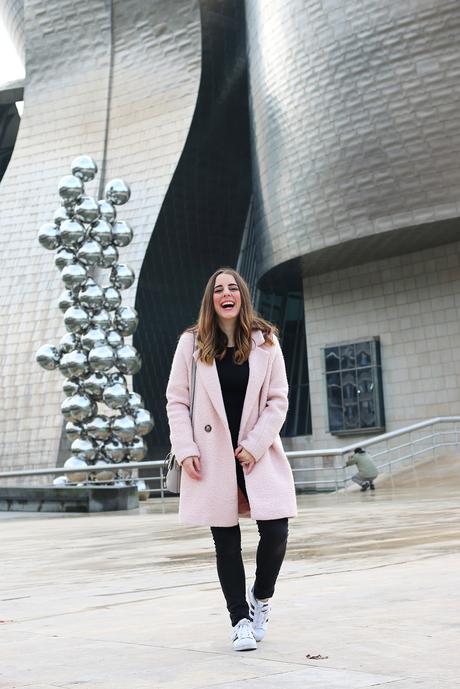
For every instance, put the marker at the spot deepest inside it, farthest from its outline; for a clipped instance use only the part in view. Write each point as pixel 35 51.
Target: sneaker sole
pixel 258 637
pixel 246 645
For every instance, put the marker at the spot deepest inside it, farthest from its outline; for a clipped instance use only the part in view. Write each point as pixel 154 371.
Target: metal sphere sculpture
pixel 105 421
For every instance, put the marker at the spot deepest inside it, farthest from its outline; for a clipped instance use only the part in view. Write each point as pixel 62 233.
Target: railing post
pixel 336 475
pixel 162 491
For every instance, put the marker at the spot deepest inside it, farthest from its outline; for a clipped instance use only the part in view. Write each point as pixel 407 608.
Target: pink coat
pixel 215 499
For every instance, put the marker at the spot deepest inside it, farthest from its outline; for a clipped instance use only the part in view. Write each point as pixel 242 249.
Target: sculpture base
pixel 68 498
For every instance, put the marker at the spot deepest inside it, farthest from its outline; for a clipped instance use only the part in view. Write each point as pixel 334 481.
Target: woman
pixel 231 455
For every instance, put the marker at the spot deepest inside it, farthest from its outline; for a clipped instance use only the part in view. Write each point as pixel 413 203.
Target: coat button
pixel 208 428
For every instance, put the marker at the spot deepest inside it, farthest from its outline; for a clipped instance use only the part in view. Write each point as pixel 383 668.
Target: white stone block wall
pixel 412 302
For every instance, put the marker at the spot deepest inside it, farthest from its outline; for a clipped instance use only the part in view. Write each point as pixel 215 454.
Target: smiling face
pixel 226 298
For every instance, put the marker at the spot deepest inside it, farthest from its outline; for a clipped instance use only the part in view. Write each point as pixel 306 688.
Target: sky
pixel 10 64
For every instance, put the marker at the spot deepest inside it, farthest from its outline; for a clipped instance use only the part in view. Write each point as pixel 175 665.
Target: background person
pixel 232 458
pixel 367 471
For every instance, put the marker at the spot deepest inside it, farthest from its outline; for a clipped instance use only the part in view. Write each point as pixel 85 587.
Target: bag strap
pixel 193 381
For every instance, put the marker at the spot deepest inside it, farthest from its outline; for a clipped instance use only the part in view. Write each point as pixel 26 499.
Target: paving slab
pixel 368 596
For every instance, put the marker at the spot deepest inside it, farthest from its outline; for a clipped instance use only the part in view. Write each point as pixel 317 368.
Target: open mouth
pixel 227 305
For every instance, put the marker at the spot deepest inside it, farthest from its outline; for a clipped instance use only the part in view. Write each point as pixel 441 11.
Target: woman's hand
pixel 192 467
pixel 245 458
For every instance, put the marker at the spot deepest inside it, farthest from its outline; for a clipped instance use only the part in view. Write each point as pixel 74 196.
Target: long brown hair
pixel 212 341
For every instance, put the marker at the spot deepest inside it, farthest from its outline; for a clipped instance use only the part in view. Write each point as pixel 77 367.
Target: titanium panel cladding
pixel 354 115
pixel 12 14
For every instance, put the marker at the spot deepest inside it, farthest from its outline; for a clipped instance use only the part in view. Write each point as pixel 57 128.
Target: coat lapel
pixel 258 361
pixel 210 380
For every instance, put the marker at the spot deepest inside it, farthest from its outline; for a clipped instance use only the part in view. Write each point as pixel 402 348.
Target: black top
pixel 233 382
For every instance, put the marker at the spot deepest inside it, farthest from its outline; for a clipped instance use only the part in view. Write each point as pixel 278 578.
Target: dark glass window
pixel 9 125
pixel 284 308
pixel 354 387
pixel 287 312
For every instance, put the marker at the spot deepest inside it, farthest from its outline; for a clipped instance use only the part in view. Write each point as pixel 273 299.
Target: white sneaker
pixel 258 614
pixel 242 636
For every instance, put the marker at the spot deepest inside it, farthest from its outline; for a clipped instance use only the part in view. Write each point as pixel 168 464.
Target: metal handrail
pixel 372 441
pixel 338 452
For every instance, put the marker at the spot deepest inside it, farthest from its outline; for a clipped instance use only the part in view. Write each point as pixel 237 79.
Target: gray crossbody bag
pixel 171 469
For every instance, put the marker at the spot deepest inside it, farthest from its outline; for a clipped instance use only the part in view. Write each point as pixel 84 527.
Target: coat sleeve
pixel 178 402
pixel 271 420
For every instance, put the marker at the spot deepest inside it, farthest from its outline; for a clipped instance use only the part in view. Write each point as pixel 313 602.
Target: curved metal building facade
pixel 355 129
pixel 12 14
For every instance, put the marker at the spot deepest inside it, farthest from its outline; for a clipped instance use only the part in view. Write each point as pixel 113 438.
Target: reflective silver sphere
pixel 117 192
pixel 73 364
pixel 135 401
pixel 123 428
pixel 84 447
pixel 122 233
pixel 94 385
pixel 101 358
pixel 61 214
pixel 107 211
pixel 69 342
pixel 73 430
pixel 136 450
pixel 104 475
pixel 109 256
pixel 77 408
pixel 115 396
pixel 48 356
pixel 66 300
pixel 49 236
pixel 75 465
pixel 70 387
pixel 76 319
pixel 125 320
pixel 72 233
pixel 98 427
pixel 91 296
pixel 116 377
pixel 93 337
pixel 142 489
pixel 90 252
pixel 84 167
pixel 87 209
pixel 121 276
pixel 115 450
pixel 128 360
pixel 112 298
pixel 64 257
pixel 114 339
pixel 143 421
pixel 74 275
pixel 70 188
pixel 101 231
pixel 102 319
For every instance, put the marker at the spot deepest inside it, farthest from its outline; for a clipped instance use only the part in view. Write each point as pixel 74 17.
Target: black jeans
pixel 230 568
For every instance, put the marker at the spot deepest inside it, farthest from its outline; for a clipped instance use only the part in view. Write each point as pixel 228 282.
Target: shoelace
pixel 242 631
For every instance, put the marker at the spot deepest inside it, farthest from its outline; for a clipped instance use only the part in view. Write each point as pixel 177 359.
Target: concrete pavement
pixel 368 596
